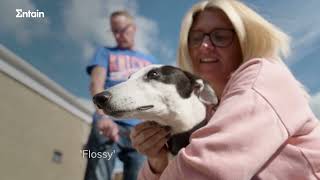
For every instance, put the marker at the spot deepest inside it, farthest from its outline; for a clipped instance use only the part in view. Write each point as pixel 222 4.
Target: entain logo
pixel 29 14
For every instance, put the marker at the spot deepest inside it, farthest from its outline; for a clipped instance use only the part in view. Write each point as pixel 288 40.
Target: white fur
pixel 169 108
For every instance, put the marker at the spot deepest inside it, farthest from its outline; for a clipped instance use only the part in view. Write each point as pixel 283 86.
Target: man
pixel 109 67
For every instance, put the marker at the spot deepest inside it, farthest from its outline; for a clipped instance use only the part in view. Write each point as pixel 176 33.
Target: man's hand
pixel 106 126
pixel 109 129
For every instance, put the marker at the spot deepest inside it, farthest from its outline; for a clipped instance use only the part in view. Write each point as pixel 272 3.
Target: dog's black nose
pixel 101 99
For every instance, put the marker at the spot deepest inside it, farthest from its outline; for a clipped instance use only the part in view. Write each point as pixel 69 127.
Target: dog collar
pixel 181 140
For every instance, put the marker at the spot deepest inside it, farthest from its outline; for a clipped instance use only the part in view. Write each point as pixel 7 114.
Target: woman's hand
pixel 149 138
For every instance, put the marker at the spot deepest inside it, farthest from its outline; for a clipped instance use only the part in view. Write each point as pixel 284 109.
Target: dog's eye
pixel 153 75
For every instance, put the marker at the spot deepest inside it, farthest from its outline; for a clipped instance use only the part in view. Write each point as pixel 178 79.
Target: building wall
pixel 32 128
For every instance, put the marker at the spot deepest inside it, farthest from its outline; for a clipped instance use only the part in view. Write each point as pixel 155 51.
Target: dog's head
pixel 164 94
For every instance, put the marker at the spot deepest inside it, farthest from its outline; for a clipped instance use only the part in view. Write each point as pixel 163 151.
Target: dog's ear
pixel 205 92
pixel 202 89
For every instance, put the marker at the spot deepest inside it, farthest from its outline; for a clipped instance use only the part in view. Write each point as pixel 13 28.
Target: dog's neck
pixel 181 140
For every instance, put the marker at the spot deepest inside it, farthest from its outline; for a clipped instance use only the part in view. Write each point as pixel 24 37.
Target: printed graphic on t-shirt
pixel 122 66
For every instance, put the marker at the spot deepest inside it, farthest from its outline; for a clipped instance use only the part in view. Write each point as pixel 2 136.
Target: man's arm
pixel 98 78
pixel 105 124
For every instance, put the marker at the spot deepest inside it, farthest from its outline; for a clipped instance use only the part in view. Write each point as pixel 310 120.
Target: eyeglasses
pixel 218 37
pixel 122 30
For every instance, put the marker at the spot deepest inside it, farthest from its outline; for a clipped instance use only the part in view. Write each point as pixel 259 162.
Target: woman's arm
pixel 238 141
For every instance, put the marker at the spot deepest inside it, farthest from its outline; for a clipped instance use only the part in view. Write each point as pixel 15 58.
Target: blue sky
pixel 61 44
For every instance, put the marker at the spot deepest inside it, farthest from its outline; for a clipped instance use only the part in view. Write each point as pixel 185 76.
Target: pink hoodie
pixel 262 129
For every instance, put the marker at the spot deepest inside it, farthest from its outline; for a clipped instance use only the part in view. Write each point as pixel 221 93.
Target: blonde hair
pixel 122 13
pixel 258 38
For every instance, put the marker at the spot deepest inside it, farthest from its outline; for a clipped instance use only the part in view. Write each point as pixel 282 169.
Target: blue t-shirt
pixel 119 63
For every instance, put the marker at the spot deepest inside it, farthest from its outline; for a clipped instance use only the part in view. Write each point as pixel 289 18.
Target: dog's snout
pixel 101 99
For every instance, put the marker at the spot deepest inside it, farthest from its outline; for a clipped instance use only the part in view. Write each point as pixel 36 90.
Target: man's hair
pixel 258 38
pixel 122 13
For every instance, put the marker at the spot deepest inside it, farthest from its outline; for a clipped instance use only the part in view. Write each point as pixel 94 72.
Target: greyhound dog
pixel 164 94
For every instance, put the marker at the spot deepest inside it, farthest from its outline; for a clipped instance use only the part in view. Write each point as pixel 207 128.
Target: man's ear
pixel 205 92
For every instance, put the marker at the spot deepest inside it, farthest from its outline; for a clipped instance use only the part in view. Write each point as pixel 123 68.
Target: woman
pixel 263 127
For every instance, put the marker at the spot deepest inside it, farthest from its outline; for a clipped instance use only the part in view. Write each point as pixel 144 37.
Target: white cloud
pixel 23 29
pixel 168 54
pixel 315 104
pixel 297 18
pixel 147 31
pixel 88 50
pixel 89 26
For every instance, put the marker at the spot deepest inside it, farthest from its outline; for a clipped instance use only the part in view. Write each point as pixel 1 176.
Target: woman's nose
pixel 206 43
